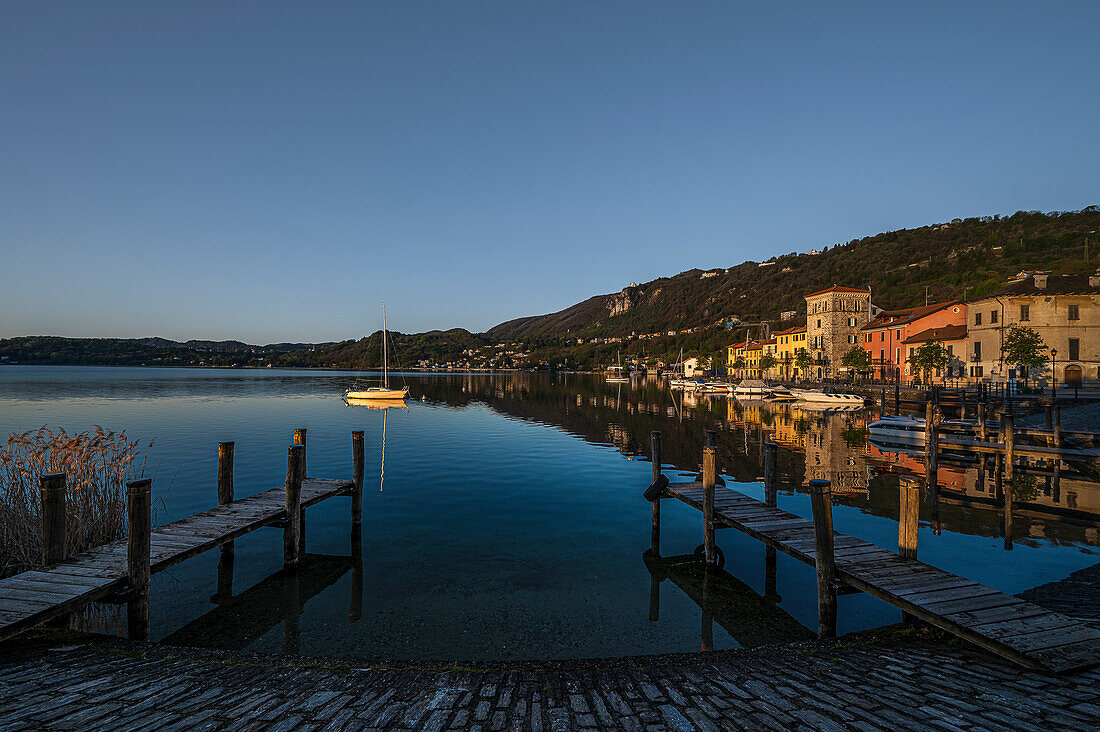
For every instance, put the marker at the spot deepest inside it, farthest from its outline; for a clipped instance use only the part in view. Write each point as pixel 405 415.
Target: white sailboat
pixel 384 406
pixel 384 391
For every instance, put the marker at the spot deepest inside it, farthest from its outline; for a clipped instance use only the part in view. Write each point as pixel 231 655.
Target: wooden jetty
pixel 1005 625
pixel 123 568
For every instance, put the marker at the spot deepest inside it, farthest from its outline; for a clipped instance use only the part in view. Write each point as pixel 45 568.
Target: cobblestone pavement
pixel 889 684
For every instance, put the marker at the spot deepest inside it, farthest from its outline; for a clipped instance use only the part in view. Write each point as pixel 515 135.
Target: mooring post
pixel 882 402
pixel 300 439
pixel 52 490
pixel 821 503
pixel 930 444
pixel 1009 427
pixel 225 497
pixel 897 391
pixel 295 462
pixel 981 421
pixel 709 476
pixel 1048 410
pixel 357 469
pixel 139 519
pixel 908 516
pixel 1057 427
pixel 771 474
pixel 655 505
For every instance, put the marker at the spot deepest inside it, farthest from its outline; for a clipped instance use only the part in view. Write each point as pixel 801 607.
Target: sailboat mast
pixel 385 353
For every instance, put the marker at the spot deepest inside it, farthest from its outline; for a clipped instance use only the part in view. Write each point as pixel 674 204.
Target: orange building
pixel 884 338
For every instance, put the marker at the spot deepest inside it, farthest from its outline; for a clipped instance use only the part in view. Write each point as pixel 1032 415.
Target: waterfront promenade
pixel 877 681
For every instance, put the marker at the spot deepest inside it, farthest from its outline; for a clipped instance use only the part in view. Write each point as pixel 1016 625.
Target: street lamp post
pixel 1053 373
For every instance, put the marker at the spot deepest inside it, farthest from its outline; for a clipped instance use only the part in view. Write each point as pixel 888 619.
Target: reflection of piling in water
pixel 355 607
pixel 236 622
pixel 750 619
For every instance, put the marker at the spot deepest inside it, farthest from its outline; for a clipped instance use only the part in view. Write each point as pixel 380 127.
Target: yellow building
pixel 733 353
pixel 787 343
pixel 753 352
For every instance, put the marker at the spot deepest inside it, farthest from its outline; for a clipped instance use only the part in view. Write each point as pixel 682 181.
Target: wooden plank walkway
pixel 1008 626
pixel 974 445
pixel 34 597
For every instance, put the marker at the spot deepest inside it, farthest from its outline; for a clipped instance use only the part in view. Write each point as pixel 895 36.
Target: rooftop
pixel 836 288
pixel 891 318
pixel 945 333
pixel 1050 285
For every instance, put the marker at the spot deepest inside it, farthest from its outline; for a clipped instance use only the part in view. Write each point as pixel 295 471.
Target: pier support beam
pixel 821 502
pixel 908 516
pixel 225 497
pixel 709 476
pixel 139 517
pixel 655 505
pixel 1008 428
pixel 300 439
pixel 357 470
pixel 295 472
pixel 52 489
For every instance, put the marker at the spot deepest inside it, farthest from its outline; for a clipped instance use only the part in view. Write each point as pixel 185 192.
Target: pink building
pixel 885 338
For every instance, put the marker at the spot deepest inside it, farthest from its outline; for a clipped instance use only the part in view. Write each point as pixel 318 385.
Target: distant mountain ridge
pixel 963 257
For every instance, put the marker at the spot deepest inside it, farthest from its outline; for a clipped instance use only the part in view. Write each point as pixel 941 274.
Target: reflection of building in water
pixel 830 457
pixel 911 462
pixel 790 429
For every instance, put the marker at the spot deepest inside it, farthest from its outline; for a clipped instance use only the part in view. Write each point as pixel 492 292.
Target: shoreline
pixel 889 679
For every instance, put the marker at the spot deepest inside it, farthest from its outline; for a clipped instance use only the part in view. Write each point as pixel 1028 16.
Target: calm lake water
pixel 510 523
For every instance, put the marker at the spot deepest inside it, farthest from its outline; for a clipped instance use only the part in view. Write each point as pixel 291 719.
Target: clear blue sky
pixel 272 171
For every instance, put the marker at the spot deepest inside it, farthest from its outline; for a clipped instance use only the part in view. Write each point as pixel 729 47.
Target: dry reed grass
pixel 97 465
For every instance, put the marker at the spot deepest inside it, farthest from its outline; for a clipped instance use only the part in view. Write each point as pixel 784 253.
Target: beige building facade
pixel 1063 309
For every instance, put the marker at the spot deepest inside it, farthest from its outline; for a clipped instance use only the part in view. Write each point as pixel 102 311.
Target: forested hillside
pixel 972 257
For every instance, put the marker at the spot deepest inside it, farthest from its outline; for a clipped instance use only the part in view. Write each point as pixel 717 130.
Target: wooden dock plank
pixel 1003 624
pixel 48 592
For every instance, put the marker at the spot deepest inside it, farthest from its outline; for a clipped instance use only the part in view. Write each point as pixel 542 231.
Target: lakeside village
pixel 1038 329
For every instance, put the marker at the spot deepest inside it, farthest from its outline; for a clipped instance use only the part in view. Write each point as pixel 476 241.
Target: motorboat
pixel 898 430
pixel 781 394
pixel 826 397
pixel 751 388
pixel 715 387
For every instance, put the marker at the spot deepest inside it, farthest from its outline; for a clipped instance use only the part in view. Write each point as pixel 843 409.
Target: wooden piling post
pixel 1048 416
pixel 908 516
pixel 300 439
pixel 771 473
pixel 998 479
pixel 981 421
pixel 52 490
pixel 139 519
pixel 1009 429
pixel 709 477
pixel 655 506
pixel 897 392
pixel 225 473
pixel 225 497
pixel 1057 418
pixel 882 402
pixel 930 444
pixel 822 505
pixel 358 463
pixel 295 471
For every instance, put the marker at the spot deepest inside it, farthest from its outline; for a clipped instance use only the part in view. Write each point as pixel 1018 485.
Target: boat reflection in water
pixel 384 406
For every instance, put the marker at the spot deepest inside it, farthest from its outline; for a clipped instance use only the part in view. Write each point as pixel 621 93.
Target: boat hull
pixel 377 393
